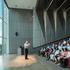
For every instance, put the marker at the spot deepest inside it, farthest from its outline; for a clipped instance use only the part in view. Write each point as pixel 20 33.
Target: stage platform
pixel 35 62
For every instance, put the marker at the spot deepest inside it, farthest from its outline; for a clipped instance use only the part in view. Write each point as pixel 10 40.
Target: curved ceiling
pixel 22 4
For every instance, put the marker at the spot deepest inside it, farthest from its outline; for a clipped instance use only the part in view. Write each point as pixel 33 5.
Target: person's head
pixel 66 49
pixel 68 44
pixel 57 48
pixel 53 44
pixel 59 43
pixel 26 42
pixel 64 43
pixel 62 49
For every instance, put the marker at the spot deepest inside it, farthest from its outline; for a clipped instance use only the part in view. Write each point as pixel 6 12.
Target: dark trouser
pixel 63 62
pixel 26 53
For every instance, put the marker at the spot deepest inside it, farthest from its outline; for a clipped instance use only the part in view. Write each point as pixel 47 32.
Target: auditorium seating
pixel 59 52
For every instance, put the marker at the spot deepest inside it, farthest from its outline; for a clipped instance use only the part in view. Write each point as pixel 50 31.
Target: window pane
pixel 0 48
pixel 0 27
pixel 5 30
pixel 0 41
pixel 0 8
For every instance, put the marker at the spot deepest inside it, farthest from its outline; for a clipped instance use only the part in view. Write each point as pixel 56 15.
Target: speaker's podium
pixel 21 50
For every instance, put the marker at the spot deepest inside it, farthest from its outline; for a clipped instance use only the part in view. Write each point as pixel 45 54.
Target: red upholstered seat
pixel 68 63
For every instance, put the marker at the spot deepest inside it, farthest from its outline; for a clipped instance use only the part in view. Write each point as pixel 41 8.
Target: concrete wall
pixel 38 36
pixel 20 21
pixel 68 23
pixel 50 26
pixel 60 31
pixel 56 25
pixel 32 26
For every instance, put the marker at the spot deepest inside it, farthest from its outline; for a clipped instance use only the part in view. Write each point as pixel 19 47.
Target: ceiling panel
pixel 22 4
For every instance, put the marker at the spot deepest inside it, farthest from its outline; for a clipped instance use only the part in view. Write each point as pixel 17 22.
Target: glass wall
pixel 0 27
pixel 0 36
pixel 5 30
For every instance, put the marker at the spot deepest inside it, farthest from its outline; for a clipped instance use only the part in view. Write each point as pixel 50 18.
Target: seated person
pixel 63 53
pixel 61 58
pixel 56 54
pixel 42 51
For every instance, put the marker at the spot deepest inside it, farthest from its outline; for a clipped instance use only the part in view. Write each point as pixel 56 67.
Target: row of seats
pixel 58 52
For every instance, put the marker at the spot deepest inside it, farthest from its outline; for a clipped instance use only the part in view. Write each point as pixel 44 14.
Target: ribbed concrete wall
pixel 68 23
pixel 50 26
pixel 57 25
pixel 38 37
